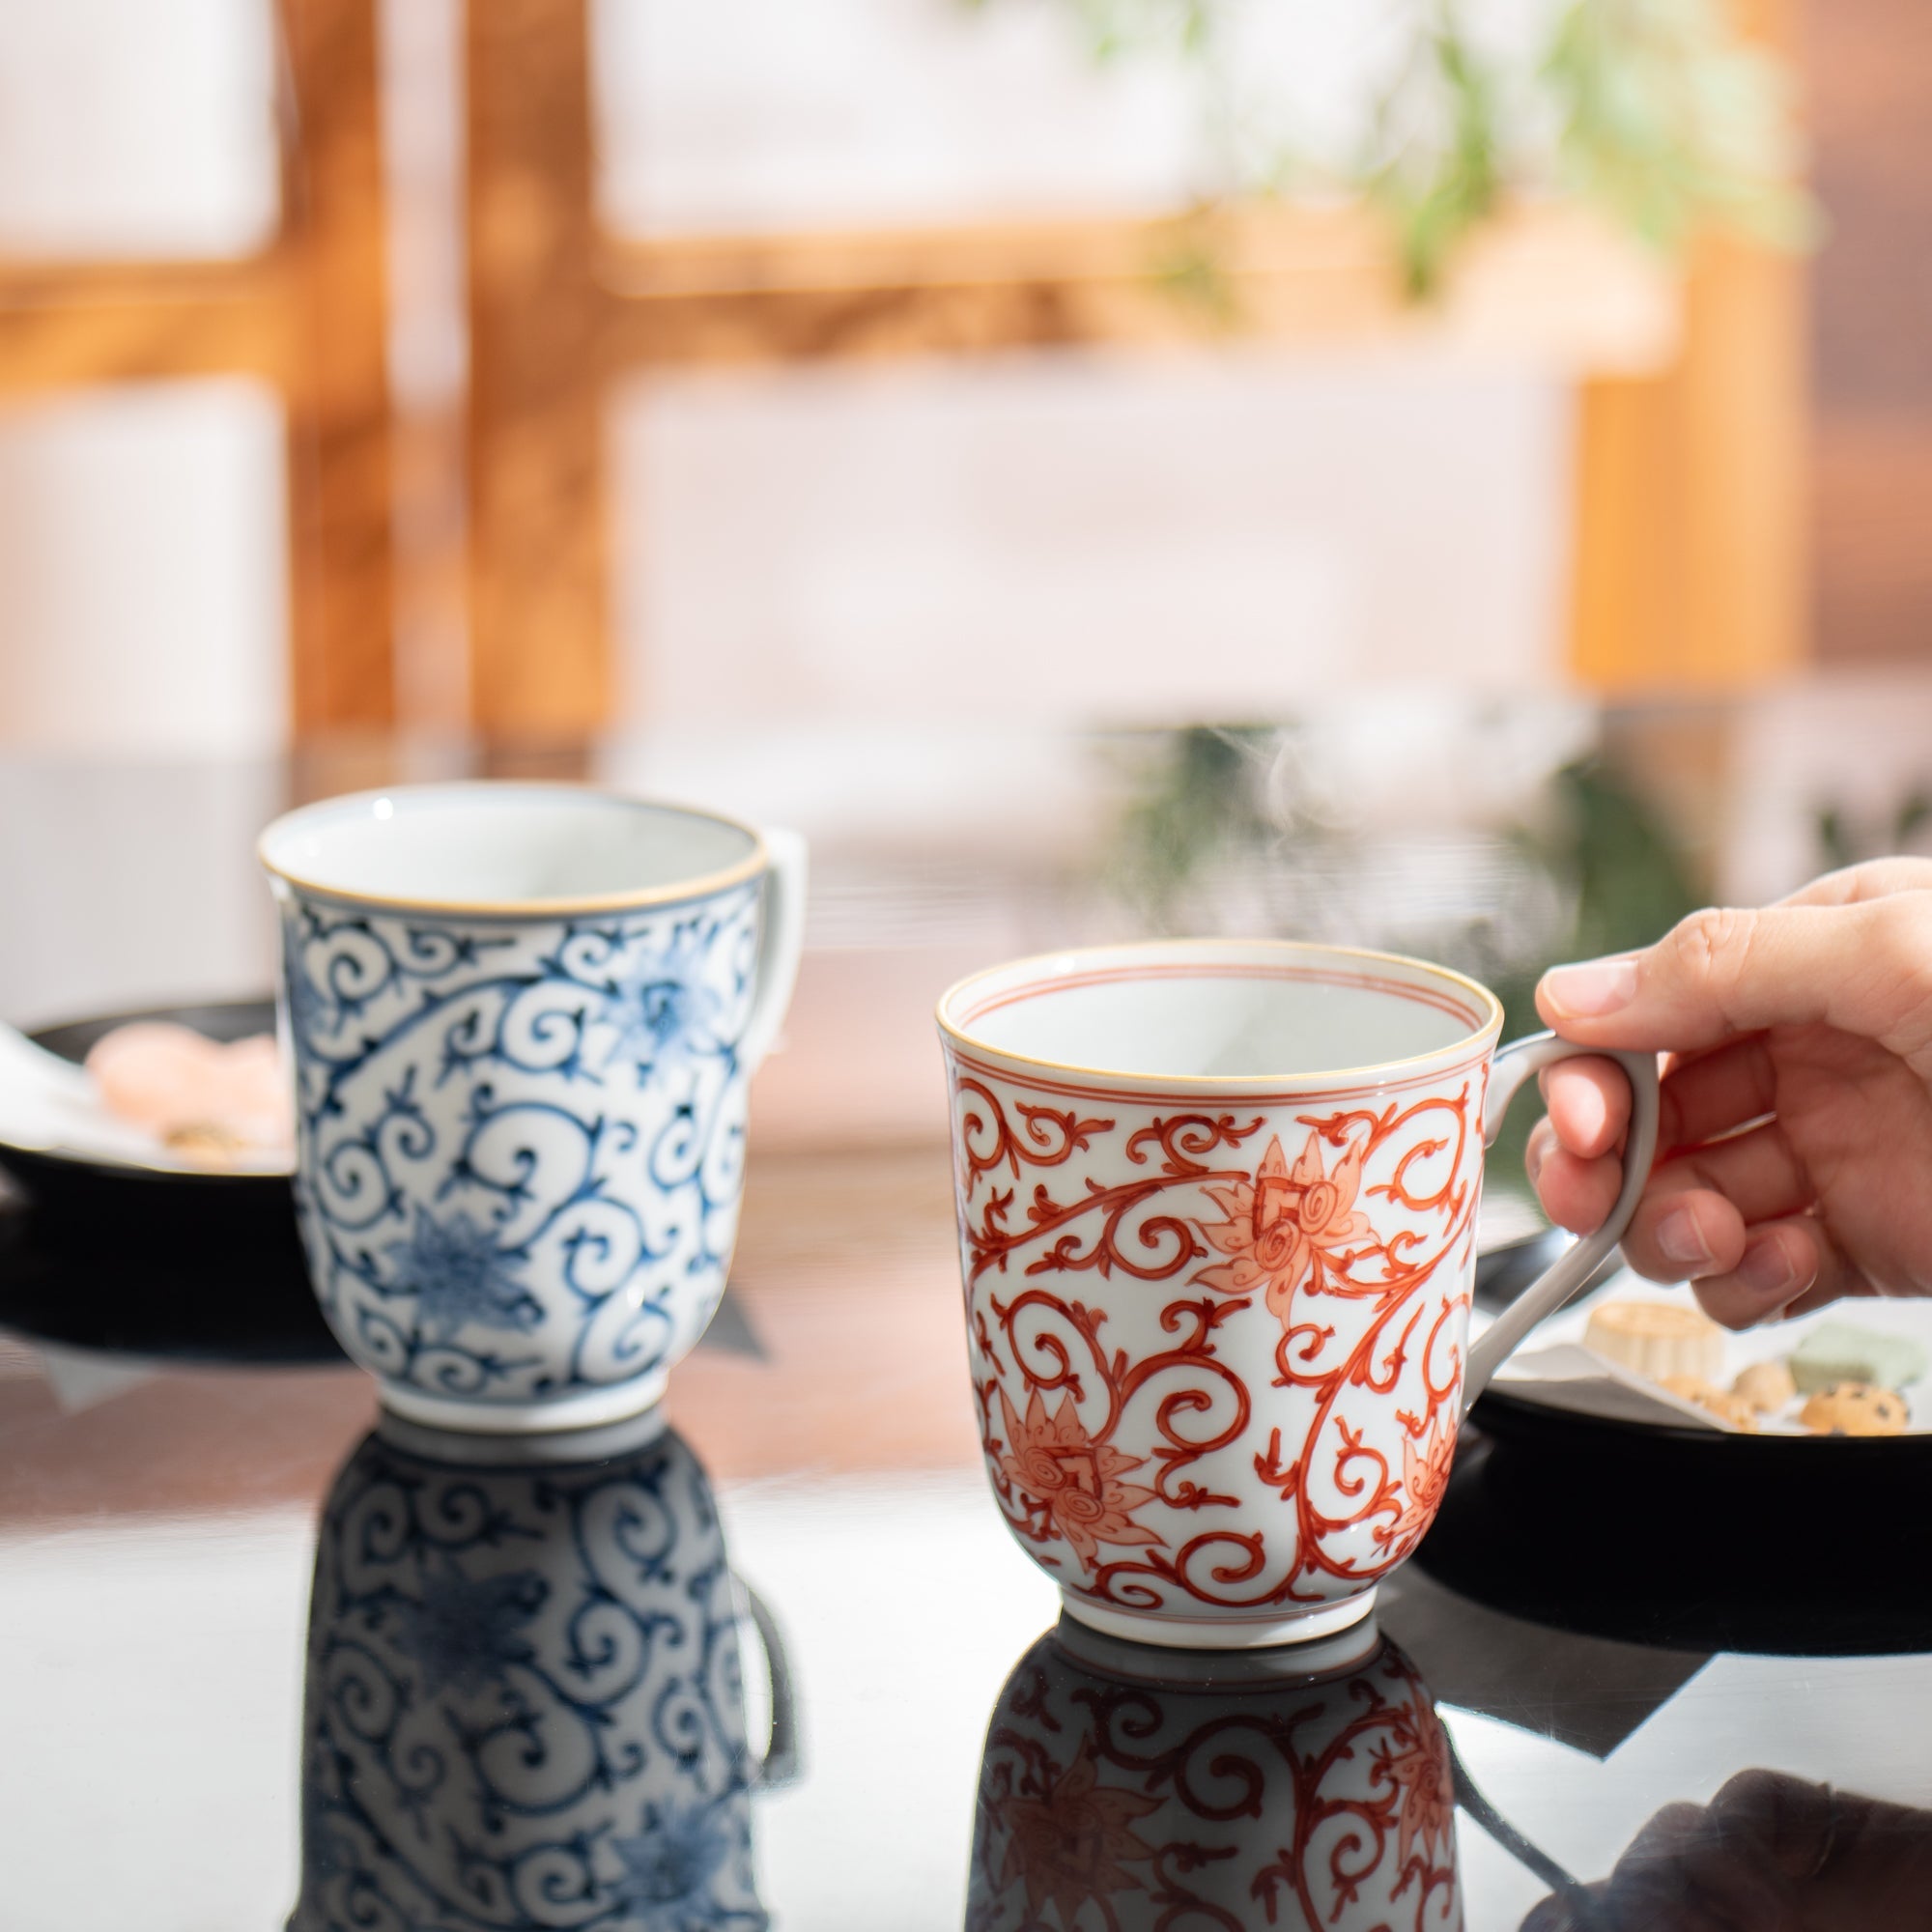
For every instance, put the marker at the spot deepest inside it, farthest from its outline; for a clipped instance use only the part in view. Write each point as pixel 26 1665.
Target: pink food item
pixel 198 1095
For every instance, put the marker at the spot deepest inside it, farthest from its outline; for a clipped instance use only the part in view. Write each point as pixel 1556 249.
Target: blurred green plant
pixel 1436 189
pixel 1844 838
pixel 1203 807
pixel 1658 112
pixel 1199 799
pixel 1622 867
pixel 1629 881
pixel 1670 121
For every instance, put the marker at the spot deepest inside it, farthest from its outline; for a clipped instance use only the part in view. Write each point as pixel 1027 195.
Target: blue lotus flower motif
pixel 466 1634
pixel 662 1008
pixel 462 1278
pixel 668 1870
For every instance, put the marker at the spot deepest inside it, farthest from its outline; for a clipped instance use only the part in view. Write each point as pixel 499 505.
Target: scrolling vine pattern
pixel 523 1704
pixel 520 1146
pixel 1116 1451
pixel 1136 1805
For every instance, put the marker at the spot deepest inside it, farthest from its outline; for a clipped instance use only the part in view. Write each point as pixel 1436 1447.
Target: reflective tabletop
pixel 771 1657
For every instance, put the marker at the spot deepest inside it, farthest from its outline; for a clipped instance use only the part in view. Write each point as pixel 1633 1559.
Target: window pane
pixel 1063 539
pixel 132 128
pixel 751 114
pixel 143 601
pixel 743 115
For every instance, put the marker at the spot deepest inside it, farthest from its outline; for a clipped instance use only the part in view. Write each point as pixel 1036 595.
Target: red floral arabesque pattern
pixel 1323 1806
pixel 1425 1479
pixel 1283 1225
pixel 1073 1482
pixel 1070 1843
pixel 1119 1209
pixel 1419 1765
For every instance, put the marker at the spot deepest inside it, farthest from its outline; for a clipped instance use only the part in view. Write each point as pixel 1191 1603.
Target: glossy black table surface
pixel 540 1695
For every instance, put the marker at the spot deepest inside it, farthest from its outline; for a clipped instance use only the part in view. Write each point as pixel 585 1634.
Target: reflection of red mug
pixel 1217 1294
pixel 1138 1788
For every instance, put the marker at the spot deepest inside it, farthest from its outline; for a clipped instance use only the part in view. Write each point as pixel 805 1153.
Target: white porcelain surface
pixel 504 844
pixel 1209 1011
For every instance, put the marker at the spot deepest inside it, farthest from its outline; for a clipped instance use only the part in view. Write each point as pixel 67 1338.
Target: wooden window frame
pixel 307 316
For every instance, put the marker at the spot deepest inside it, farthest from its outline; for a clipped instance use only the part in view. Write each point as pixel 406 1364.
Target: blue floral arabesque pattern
pixel 521 1142
pixel 523 1704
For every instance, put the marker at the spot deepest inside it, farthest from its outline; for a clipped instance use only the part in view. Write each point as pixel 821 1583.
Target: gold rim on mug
pixel 755 862
pixel 1480 1037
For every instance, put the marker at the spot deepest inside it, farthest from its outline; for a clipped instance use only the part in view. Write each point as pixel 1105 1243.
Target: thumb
pixel 1865 968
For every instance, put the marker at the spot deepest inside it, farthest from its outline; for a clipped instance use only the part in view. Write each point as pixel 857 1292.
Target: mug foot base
pixel 1220 1634
pixel 591 1409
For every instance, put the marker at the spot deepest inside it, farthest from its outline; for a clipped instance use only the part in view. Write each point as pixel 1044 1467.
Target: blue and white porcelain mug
pixel 523 1020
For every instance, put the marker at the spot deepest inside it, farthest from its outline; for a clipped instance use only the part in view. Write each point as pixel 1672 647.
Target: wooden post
pixel 1691 568
pixel 1689 571
pixel 339 445
pixel 539 648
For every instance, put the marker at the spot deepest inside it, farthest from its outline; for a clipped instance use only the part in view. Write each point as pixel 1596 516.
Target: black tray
pixel 1689 1538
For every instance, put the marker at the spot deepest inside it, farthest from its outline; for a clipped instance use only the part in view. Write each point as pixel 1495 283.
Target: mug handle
pixel 778 1766
pixel 780 942
pixel 1544 1296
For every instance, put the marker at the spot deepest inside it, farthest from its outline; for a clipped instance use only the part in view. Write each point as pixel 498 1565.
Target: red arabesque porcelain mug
pixel 1218 1223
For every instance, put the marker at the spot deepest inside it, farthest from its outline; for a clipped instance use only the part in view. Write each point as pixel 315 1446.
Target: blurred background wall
pixel 1287 465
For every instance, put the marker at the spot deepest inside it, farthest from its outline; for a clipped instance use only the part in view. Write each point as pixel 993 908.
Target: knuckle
pixel 1901 947
pixel 1894 979
pixel 1715 951
pixel 1715 943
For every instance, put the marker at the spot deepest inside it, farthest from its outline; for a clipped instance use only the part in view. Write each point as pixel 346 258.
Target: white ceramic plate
pixel 1552 1369
pixel 50 1113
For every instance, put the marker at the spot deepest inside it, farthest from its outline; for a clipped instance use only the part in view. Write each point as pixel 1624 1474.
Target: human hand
pixel 1770 1852
pixel 1795 1136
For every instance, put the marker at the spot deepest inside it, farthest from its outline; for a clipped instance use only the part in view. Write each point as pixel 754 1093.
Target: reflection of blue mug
pixel 524 1706
pixel 523 1020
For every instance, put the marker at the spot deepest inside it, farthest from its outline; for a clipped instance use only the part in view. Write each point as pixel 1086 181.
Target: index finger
pixel 1864 967
pixel 1873 879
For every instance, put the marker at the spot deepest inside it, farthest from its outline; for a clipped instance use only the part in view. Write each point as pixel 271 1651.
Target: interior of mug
pixel 501 845
pixel 1202 1010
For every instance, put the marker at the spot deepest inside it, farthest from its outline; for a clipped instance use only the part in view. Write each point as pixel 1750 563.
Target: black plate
pixel 1689 1538
pixel 58 1180
pixel 203 1267
pixel 218 1288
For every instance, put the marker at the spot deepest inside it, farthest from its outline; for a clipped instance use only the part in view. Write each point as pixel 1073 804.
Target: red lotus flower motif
pixel 1070 1843
pixel 1071 1480
pixel 1419 1767
pixel 1425 1479
pixel 1281 1223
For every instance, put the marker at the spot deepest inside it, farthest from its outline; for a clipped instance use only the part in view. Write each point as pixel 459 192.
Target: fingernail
pixel 1680 1239
pixel 1766 1268
pixel 1591 989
